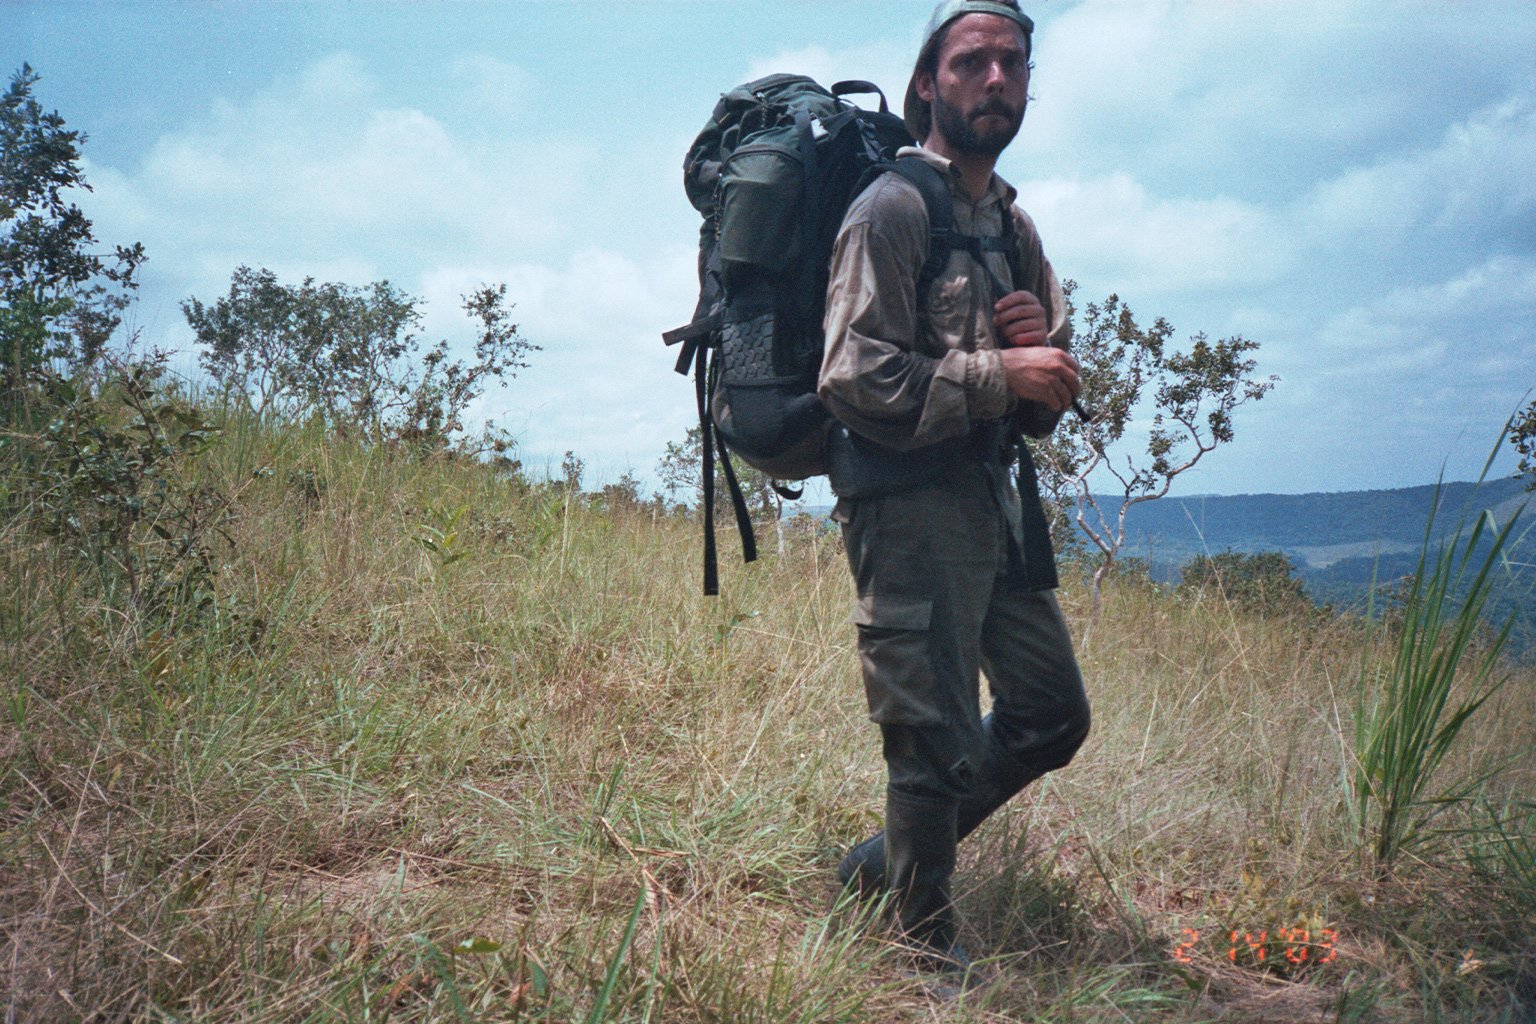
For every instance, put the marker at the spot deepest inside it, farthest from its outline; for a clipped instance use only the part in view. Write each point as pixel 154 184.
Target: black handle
pixel 859 85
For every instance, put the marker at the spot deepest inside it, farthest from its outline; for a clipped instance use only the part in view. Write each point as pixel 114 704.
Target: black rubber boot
pixel 863 867
pixel 920 859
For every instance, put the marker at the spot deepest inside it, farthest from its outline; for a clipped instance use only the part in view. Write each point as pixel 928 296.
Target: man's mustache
pixel 993 106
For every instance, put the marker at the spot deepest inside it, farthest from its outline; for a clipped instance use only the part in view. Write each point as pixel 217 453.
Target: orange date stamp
pixel 1279 947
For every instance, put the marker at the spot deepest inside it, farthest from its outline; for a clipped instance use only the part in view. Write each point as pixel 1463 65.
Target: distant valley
pixel 1341 543
pixel 1320 532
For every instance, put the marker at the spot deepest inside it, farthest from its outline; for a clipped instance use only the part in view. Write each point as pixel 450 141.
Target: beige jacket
pixel 904 380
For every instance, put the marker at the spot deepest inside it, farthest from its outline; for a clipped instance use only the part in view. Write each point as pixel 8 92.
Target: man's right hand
pixel 1042 374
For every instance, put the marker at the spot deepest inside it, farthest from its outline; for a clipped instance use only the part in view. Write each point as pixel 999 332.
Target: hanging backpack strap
pixel 694 338
pixel 711 447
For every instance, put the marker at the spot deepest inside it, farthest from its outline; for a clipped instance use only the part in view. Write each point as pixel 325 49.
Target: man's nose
pixel 996 76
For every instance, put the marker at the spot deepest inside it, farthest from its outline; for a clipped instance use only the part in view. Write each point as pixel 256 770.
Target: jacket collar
pixel 1005 193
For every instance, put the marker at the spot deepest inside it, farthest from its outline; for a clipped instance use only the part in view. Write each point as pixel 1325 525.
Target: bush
pixel 112 479
pixel 351 355
pixel 1263 583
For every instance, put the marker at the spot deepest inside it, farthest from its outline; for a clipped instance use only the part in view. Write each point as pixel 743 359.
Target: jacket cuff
pixel 986 388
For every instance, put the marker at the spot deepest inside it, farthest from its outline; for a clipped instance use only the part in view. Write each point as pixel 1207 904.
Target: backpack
pixel 772 173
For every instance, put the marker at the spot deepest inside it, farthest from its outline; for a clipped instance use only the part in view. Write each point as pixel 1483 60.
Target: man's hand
pixel 1042 374
pixel 1019 320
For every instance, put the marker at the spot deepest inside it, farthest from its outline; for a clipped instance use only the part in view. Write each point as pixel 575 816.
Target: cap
pixel 915 109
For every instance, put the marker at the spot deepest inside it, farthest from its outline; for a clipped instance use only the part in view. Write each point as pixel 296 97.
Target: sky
pixel 1348 184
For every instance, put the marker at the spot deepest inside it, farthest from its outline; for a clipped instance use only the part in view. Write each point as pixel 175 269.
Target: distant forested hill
pixel 1316 530
pixel 1341 542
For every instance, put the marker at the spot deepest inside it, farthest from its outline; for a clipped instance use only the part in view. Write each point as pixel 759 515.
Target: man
pixel 954 571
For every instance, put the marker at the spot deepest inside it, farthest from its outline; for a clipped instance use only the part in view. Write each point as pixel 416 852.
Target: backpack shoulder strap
pixel 930 184
pixel 943 239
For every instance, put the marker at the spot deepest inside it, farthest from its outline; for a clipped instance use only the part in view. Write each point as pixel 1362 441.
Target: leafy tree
pixel 353 355
pixel 1096 469
pixel 682 478
pixel 60 299
pixel 622 496
pixel 1522 434
pixel 572 469
pixel 1264 582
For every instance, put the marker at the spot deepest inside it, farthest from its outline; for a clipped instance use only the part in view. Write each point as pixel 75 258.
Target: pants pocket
pixel 895 650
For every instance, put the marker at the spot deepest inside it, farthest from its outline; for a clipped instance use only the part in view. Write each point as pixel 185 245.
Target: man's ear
pixel 923 82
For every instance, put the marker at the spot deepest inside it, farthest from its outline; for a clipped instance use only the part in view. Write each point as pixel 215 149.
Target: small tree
pixel 60 300
pixel 1090 467
pixel 572 469
pixel 681 471
pixel 621 496
pixel 1522 434
pixel 352 354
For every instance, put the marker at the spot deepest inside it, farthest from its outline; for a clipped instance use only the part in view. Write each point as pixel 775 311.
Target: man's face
pixel 981 86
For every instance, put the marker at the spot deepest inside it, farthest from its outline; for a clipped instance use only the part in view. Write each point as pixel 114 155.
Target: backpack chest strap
pixel 943 239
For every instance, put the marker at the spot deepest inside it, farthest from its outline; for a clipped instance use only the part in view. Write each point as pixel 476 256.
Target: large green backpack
pixel 772 173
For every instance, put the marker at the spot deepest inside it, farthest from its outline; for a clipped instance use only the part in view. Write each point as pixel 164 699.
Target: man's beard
pixel 958 128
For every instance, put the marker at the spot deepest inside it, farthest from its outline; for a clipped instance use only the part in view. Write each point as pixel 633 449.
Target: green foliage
pixel 572 469
pixel 112 479
pixel 621 496
pixel 1093 468
pixel 60 301
pixel 441 537
pixel 1522 436
pixel 1406 721
pixel 352 355
pixel 1263 583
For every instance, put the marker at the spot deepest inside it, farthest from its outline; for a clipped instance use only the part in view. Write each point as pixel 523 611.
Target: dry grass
pixel 299 809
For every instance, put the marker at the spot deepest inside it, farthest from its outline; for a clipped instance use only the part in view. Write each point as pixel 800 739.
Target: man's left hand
pixel 1019 320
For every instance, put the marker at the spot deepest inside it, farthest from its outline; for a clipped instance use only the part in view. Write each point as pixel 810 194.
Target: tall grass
pixel 1407 720
pixel 524 772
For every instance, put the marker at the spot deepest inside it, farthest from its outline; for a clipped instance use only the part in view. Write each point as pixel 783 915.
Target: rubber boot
pixel 920 859
pixel 863 867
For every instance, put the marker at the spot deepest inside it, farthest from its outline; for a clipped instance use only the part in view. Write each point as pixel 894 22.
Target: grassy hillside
pixel 419 741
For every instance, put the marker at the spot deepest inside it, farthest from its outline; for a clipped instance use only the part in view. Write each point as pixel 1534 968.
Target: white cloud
pixel 1446 333
pixel 315 169
pixel 884 64
pixel 1111 233
pixel 1256 99
pixel 490 89
pixel 1476 179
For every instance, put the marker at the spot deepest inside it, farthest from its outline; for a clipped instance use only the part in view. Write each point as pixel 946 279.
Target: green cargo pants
pixel 935 608
pixel 938 605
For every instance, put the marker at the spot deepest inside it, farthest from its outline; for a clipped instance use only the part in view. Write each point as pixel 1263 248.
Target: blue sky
pixel 1348 184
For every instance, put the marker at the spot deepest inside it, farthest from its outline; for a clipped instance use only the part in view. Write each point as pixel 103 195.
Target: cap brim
pixel 913 108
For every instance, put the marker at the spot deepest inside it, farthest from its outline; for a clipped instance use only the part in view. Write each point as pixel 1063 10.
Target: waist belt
pixel 860 468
